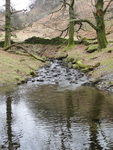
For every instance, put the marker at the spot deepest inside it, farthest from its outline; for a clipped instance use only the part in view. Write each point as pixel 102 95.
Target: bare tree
pixel 100 8
pixel 99 26
pixel 69 30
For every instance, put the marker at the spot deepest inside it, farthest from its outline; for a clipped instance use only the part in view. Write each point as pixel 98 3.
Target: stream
pixel 56 111
pixel 57 73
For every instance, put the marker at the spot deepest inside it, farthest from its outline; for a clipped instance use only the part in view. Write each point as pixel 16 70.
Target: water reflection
pixel 69 114
pixel 8 142
pixel 45 118
pixel 9 122
pixel 95 121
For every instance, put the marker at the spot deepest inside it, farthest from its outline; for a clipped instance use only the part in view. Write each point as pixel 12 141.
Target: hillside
pixel 40 21
pixel 50 25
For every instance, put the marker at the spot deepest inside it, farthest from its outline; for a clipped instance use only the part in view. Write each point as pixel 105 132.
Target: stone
pixel 92 48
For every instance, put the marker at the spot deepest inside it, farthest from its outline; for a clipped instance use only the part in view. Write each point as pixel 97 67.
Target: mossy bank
pixel 16 65
pixel 16 68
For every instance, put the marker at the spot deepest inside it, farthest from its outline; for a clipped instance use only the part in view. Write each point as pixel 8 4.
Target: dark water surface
pixel 53 112
pixel 45 117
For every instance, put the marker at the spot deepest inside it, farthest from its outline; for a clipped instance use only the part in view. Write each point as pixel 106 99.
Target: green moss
pixel 67 48
pixel 17 78
pixel 14 68
pixel 70 59
pixel 53 41
pixel 85 41
pixel 87 69
pixel 81 65
pixel 19 53
pixel 106 67
pixel 37 51
pixel 33 74
pixel 75 66
pixel 92 48
pixel 44 58
pixel 38 40
pixel 110 82
pixel 97 64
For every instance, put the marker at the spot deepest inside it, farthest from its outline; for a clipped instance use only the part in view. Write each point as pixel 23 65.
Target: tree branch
pixel 65 30
pixel 107 6
pixel 65 3
pixel 26 50
pixel 84 20
pixel 56 29
pixel 57 10
pixel 14 12
pixel 80 26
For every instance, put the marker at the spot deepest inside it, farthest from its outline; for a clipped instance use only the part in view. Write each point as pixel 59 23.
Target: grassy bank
pixel 17 66
pixel 103 57
pixel 14 68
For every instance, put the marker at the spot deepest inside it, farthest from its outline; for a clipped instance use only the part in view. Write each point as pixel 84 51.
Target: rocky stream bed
pixel 105 83
pixel 58 72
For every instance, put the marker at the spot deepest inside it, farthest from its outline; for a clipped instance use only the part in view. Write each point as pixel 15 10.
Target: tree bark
pixel 71 24
pixel 7 24
pixel 99 17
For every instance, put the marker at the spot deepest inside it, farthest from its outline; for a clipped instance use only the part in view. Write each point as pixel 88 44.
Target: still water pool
pixel 47 117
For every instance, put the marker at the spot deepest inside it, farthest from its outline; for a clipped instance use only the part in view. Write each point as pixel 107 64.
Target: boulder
pixel 92 48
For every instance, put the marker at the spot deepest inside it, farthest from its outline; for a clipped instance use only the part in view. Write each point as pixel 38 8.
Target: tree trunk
pixel 71 24
pixel 99 17
pixel 101 37
pixel 7 25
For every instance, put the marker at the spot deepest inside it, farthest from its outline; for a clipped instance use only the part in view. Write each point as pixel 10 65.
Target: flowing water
pixel 44 115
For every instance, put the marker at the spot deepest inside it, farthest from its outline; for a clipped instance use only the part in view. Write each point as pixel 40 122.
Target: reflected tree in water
pixel 9 122
pixel 95 121
pixel 70 113
pixel 9 144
